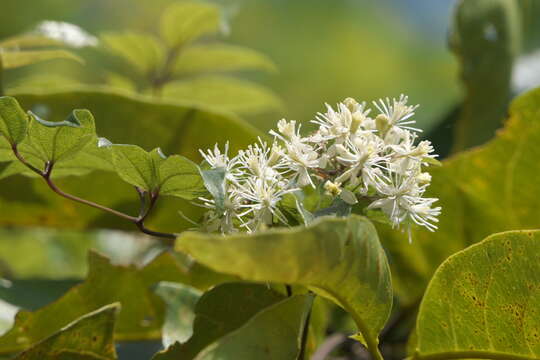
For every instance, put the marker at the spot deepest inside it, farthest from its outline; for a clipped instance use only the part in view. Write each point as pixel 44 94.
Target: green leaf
pixel 214 181
pixel 180 300
pixel 485 37
pixel 176 128
pixel 142 312
pixel 28 41
pixel 224 93
pixel 272 334
pixel 135 166
pixel 484 302
pixel 220 58
pixel 180 177
pixel 59 141
pixel 340 259
pixel 90 337
pixel 13 120
pixel 185 21
pixel 483 191
pixel 144 52
pixel 15 59
pixel 225 311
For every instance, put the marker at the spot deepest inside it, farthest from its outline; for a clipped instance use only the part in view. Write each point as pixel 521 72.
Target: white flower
pixel 353 155
pixel 215 158
pixel 397 112
pixel 222 220
pixel 402 199
pixel 260 161
pixel 339 125
pixel 259 200
pixel 69 34
pixel 298 156
pixel 361 156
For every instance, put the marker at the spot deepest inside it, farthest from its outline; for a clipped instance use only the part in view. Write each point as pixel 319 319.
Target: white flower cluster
pixel 351 156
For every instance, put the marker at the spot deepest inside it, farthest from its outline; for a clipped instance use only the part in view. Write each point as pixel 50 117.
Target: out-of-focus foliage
pixel 485 38
pixel 177 65
pixel 142 310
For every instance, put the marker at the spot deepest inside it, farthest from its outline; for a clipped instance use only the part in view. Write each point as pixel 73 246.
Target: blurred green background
pixel 325 50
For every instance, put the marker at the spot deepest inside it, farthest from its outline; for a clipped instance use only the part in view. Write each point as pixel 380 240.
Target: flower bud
pixel 382 122
pixel 348 197
pixel 351 104
pixel 331 188
pixel 357 119
pixel 423 178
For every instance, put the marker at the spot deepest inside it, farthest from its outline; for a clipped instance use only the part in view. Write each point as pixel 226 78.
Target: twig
pixel 168 238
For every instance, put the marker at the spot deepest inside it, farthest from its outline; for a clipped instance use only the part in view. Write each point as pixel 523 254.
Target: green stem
pixel 488 355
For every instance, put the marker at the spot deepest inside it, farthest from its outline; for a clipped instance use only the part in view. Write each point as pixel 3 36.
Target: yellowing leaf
pixel 484 302
pixel 89 337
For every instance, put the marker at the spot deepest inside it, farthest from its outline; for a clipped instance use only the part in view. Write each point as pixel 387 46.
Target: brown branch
pixel 168 238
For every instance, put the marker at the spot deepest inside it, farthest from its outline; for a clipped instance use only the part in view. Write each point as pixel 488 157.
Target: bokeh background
pixel 325 50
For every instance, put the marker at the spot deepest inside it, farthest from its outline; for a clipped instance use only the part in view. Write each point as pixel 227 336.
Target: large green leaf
pixel 124 119
pixel 144 52
pixel 275 333
pixel 484 302
pixel 220 58
pixel 89 337
pixel 227 93
pixel 229 314
pixel 185 21
pixel 340 259
pixel 13 120
pixel 485 38
pixel 15 59
pixel 486 190
pixel 142 310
